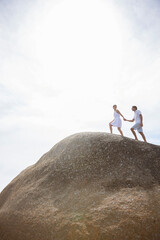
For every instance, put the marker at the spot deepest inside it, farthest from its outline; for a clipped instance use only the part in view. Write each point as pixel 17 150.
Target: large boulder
pixel 89 186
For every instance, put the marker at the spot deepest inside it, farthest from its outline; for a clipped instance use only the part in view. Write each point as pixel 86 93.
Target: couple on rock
pixel 117 122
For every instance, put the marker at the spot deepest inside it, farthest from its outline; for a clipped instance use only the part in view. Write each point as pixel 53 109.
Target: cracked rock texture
pixel 89 186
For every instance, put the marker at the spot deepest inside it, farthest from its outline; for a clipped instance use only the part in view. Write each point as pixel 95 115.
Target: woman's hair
pixel 115 105
pixel 134 107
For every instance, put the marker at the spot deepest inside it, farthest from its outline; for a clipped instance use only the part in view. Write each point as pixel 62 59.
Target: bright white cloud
pixel 65 63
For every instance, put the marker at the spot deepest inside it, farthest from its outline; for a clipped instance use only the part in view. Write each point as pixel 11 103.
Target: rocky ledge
pixel 89 186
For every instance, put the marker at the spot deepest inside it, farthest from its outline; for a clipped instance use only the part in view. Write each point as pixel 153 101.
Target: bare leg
pixel 134 134
pixel 110 126
pixel 144 138
pixel 119 129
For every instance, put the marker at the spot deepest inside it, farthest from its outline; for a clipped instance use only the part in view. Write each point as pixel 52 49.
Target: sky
pixel 65 63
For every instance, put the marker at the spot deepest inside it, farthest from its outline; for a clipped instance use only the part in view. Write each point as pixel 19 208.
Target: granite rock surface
pixel 89 186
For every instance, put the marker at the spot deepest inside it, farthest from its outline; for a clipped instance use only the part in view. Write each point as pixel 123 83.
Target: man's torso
pixel 137 116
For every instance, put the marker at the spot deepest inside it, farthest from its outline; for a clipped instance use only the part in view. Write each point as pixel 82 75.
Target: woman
pixel 117 122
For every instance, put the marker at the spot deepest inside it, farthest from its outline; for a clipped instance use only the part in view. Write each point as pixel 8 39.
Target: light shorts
pixel 137 127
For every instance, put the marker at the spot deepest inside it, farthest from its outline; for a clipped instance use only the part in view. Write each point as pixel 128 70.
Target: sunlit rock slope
pixel 89 186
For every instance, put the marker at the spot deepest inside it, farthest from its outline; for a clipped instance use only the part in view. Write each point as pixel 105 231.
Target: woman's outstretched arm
pixel 120 114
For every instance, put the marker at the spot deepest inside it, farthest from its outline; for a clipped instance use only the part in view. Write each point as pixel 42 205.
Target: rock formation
pixel 89 186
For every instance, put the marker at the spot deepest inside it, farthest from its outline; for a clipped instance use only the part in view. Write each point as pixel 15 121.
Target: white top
pixel 137 116
pixel 116 115
pixel 117 121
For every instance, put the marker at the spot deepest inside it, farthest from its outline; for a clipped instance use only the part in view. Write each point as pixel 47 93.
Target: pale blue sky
pixel 63 64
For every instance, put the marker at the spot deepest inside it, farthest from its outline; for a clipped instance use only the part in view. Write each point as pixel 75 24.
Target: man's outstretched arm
pixel 129 120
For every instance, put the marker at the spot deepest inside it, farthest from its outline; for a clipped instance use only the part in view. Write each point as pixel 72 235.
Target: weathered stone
pixel 89 186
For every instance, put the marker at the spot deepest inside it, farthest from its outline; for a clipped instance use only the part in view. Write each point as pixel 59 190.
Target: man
pixel 138 123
